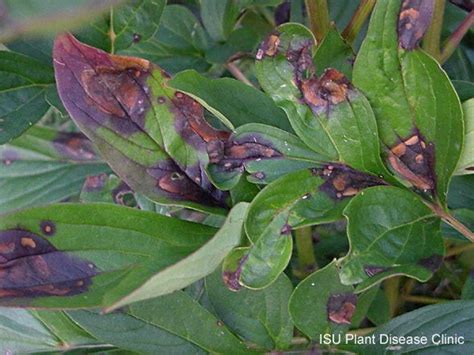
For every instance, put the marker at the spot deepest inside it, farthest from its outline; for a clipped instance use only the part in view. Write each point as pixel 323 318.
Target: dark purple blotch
pixel 413 21
pixel 432 263
pixel 341 307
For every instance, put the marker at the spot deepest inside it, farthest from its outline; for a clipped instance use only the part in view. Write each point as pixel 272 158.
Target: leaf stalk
pixel 358 19
pixel 431 42
pixel 304 247
pixel 453 41
pixel 318 15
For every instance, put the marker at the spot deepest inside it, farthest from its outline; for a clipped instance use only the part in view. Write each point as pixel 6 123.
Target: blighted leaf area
pixel 232 154
pixel 341 181
pixel 30 266
pixel 341 308
pixel 74 146
pixel 413 21
pixel 413 159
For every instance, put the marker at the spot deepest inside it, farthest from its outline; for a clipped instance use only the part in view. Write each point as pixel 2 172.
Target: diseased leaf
pixel 387 241
pixel 295 200
pixel 260 317
pixel 232 101
pixel 31 17
pixel 423 134
pixel 327 112
pixel 332 303
pixel 264 151
pixel 154 137
pixel 43 166
pixel 24 83
pixel 452 319
pixel 90 256
pixel 104 188
pixel 466 161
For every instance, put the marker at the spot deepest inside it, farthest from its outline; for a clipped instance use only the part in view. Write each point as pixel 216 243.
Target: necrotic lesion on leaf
pixel 413 21
pixel 341 181
pixel 413 159
pixel 30 266
pixel 341 307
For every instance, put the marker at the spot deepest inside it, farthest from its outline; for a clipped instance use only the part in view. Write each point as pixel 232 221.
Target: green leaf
pixel 94 256
pixel 265 152
pixel 153 137
pixel 133 334
pixel 465 89
pixel 320 304
pixel 260 317
pixel 219 17
pixel 44 166
pixel 232 101
pixel 196 265
pixel 65 329
pixel 466 161
pixel 334 52
pixel 430 124
pixel 330 115
pixel 452 319
pixel 295 200
pixel 24 82
pixel 168 323
pixel 21 332
pixel 33 17
pixel 179 44
pixel 387 241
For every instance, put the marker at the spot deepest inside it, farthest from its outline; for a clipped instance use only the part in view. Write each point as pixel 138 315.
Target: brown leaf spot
pixel 413 21
pixel 342 181
pixel 75 146
pixel 48 228
pixel 286 229
pixel 330 89
pixel 32 267
pixel 341 307
pixel 269 46
pixel 413 160
pixel 95 182
pixel 136 38
pixel 231 277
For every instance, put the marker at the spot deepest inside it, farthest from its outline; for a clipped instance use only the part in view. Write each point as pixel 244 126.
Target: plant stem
pixel 318 15
pixel 453 41
pixel 459 249
pixel 453 222
pixel 391 288
pixel 237 73
pixel 423 299
pixel 432 38
pixel 357 20
pixel 304 248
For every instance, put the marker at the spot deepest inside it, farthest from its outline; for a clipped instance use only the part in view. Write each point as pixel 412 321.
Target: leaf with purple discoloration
pixel 154 137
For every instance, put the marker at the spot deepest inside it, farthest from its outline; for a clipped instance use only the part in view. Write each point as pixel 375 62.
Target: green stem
pixel 453 41
pixel 453 222
pixel 357 20
pixel 431 42
pixel 304 248
pixel 392 290
pixel 423 299
pixel 318 15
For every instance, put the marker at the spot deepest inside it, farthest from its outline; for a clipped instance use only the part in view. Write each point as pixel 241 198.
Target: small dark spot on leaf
pixel 260 175
pixel 432 263
pixel 220 323
pixel 161 99
pixel 95 182
pixel 341 308
pixel 48 228
pixel 286 229
pixel 413 21
pixel 372 270
pixel 136 38
pixel 231 277
pixel 342 181
pixel 269 46
pixel 123 195
pixel 9 156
